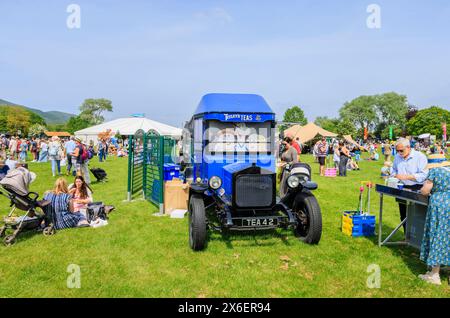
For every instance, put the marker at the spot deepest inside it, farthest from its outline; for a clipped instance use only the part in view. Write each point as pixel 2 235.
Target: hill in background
pixel 50 117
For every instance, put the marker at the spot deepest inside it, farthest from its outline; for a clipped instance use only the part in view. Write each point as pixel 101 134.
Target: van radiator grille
pixel 254 190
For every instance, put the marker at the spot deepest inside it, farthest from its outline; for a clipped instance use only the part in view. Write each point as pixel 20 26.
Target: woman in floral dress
pixel 435 250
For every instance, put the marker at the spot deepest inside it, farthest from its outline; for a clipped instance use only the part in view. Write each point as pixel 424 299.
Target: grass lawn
pixel 141 255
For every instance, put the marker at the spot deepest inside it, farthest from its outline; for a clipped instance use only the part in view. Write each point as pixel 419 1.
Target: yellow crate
pixel 347 229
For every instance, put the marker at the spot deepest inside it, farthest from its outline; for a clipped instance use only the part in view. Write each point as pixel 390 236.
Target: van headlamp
pixel 215 182
pixel 293 182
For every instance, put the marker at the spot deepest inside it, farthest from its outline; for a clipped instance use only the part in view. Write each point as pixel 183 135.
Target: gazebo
pixel 308 132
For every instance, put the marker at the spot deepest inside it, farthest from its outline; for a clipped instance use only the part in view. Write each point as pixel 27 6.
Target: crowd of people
pixel 71 153
pixel 344 155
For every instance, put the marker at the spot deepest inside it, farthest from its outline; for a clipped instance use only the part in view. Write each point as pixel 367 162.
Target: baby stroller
pixel 99 174
pixel 15 187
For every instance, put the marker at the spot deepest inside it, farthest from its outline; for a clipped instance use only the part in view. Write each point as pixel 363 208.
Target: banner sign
pixel 444 128
pixel 240 118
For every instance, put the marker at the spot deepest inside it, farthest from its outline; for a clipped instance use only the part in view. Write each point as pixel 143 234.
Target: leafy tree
pixel 346 127
pixel 295 115
pixel 392 109
pixel 36 130
pixel 18 119
pixel 92 110
pixel 360 112
pixel 57 127
pixel 428 120
pixel 15 118
pixel 76 123
pixel 412 111
pixel 326 123
pixel 36 119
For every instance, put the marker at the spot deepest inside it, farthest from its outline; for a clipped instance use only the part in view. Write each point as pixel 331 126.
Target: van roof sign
pixel 233 103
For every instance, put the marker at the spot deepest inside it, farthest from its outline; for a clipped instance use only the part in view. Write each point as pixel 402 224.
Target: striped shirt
pixel 62 217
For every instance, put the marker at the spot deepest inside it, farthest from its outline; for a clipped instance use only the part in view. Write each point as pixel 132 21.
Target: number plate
pixel 260 222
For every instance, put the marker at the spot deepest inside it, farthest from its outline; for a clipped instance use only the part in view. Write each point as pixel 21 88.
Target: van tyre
pixel 309 218
pixel 197 223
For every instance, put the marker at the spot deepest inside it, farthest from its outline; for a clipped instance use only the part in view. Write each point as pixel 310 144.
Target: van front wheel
pixel 309 218
pixel 197 223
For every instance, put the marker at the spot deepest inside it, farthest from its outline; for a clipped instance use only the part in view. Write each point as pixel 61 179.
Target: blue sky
pixel 160 57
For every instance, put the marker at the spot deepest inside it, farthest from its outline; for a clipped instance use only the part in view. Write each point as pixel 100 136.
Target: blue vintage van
pixel 229 151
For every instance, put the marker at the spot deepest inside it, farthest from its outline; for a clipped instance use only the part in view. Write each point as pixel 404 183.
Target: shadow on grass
pixel 409 255
pixel 22 237
pixel 256 238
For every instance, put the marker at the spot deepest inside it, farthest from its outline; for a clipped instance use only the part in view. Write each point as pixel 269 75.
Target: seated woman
pixel 352 165
pixel 81 194
pixel 62 205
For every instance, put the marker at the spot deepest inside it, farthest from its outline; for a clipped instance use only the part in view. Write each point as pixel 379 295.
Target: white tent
pixel 127 126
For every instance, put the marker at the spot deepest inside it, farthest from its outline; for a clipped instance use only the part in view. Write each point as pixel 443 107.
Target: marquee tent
pixel 127 126
pixel 308 132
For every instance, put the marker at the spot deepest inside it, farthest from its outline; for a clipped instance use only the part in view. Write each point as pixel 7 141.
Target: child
pixel 3 169
pixel 386 170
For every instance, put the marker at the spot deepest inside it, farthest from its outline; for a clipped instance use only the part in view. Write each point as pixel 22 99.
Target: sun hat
pixel 436 161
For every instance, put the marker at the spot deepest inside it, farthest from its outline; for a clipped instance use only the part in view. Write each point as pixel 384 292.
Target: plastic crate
pixel 331 172
pixel 358 225
pixel 171 171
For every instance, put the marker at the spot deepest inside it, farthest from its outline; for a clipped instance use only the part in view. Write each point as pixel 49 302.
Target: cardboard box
pixel 176 195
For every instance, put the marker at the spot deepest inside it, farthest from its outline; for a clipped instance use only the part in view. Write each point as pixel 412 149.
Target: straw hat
pixel 436 161
pixel 55 138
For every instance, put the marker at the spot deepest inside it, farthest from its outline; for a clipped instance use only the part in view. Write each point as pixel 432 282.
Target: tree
pixel 92 110
pixel 36 130
pixel 428 120
pixel 15 118
pixel 412 111
pixel 326 123
pixel 18 120
pixel 295 115
pixel 76 123
pixel 346 127
pixel 360 112
pixel 392 109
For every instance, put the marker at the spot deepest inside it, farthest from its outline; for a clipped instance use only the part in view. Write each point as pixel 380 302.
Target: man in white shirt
pixel 410 167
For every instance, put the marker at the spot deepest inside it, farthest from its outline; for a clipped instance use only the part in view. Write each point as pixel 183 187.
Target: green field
pixel 142 255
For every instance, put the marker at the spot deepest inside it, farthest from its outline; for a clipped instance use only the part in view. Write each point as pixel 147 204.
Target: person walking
pixel 23 150
pixel 82 160
pixel 55 152
pixel 322 152
pixel 70 148
pixel 344 155
pixel 387 151
pixel 336 156
pixel 34 149
pixel 13 147
pixel 101 151
pixel 43 151
pixel 436 239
